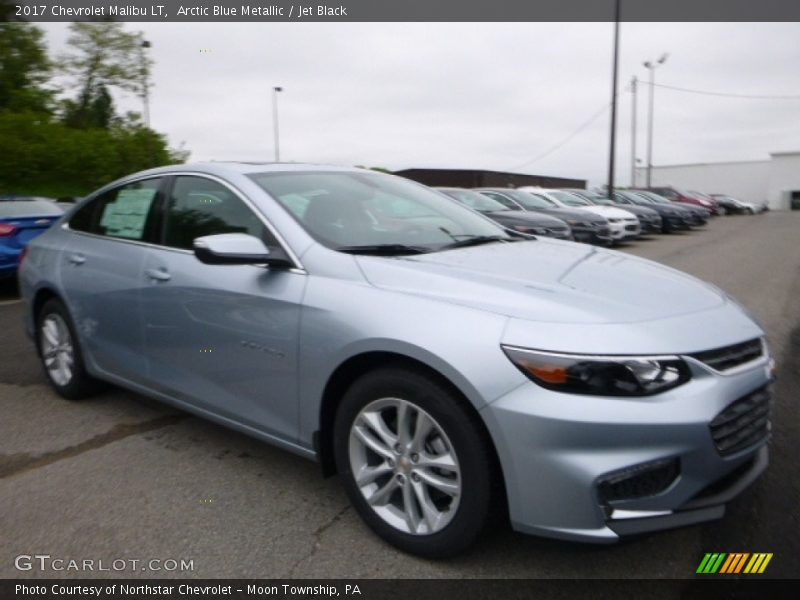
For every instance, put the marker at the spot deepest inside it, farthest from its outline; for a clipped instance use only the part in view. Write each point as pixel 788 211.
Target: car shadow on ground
pixel 9 290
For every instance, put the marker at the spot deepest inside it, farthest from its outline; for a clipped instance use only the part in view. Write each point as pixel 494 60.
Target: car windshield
pixel 29 207
pixel 654 198
pixel 375 213
pixel 475 200
pixel 570 199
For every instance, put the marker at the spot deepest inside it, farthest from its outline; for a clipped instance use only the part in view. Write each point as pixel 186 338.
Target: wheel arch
pixel 356 366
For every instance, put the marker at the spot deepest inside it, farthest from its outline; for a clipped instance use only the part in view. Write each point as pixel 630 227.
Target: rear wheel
pixel 60 353
pixel 415 463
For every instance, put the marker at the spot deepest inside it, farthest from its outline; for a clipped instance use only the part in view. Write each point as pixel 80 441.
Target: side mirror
pixel 237 249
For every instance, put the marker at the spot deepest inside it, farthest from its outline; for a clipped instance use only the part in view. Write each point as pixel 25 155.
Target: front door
pixel 221 337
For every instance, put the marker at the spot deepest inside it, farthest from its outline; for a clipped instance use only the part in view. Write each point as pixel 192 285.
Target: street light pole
pixel 652 67
pixel 633 132
pixel 275 91
pixel 145 84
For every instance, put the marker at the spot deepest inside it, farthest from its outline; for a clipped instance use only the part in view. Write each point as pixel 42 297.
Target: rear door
pixel 101 275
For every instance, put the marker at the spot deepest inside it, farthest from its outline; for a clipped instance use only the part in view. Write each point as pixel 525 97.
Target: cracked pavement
pixel 122 476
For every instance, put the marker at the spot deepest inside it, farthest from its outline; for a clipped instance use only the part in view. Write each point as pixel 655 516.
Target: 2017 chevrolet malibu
pixel 411 345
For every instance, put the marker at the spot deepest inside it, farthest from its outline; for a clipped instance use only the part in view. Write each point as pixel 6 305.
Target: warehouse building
pixel 471 178
pixel 775 181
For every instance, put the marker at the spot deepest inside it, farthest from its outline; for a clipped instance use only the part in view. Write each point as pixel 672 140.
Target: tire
pixel 60 353
pixel 438 523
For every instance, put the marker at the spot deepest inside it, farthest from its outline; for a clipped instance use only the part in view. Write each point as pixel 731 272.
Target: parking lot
pixel 123 477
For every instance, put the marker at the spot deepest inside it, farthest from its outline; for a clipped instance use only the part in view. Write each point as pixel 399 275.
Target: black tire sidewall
pixel 468 444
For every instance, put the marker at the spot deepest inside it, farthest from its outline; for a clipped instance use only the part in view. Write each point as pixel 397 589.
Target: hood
pixel 639 210
pixel 573 214
pixel 547 281
pixel 609 212
pixel 522 216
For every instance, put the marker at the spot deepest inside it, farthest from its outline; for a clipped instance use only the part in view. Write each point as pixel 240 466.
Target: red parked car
pixel 677 195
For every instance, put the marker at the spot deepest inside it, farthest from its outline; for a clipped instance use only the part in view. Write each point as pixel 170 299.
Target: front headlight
pixel 613 220
pixel 600 375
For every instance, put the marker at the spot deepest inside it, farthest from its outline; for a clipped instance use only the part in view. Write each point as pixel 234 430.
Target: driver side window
pixel 198 206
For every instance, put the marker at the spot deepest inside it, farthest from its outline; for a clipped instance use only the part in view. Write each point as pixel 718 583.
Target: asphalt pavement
pixel 122 477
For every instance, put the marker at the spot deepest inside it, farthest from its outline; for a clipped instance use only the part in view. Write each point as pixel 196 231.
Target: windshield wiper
pixel 477 240
pixel 383 249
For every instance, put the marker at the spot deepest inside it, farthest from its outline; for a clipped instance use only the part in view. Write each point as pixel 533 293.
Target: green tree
pixel 101 56
pixel 24 69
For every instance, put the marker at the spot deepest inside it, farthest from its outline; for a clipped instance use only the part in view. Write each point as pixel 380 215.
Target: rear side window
pixel 124 212
pixel 198 207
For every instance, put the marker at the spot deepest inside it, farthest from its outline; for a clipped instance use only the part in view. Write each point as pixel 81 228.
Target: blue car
pixel 22 219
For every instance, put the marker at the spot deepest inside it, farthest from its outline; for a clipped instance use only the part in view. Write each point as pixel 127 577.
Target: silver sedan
pixel 443 368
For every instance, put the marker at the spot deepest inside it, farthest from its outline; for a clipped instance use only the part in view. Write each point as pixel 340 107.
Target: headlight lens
pixel 600 375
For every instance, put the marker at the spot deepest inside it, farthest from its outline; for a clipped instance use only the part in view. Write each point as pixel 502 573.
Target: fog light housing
pixel 639 481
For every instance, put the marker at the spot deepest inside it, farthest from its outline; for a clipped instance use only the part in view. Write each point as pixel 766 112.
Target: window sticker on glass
pixel 126 216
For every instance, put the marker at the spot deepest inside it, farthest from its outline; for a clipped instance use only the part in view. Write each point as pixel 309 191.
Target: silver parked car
pixel 411 345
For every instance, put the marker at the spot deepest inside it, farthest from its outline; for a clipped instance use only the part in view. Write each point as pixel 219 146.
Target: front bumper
pixel 600 235
pixel 558 451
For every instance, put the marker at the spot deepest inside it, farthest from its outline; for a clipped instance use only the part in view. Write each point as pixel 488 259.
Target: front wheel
pixel 415 462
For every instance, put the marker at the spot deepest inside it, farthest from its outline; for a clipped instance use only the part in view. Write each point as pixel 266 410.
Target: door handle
pixel 158 274
pixel 76 259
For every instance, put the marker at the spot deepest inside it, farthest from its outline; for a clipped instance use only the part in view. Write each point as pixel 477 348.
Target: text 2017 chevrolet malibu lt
pixel 411 345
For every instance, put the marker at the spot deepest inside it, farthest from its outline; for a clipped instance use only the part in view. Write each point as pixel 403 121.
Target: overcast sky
pixel 468 95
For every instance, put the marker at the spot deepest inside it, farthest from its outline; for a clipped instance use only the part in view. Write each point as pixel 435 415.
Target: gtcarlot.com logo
pixel 731 563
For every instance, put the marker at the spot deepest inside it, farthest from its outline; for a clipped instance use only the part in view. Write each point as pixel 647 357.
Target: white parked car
pixel 624 225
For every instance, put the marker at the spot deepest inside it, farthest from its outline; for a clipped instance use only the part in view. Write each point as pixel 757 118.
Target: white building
pixel 776 180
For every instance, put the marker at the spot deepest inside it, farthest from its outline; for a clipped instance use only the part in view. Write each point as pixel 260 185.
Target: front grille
pixel 631 227
pixel 603 231
pixel 723 359
pixel 640 481
pixel 743 424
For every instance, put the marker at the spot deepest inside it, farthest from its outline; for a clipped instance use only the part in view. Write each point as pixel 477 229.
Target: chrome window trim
pixel 298 268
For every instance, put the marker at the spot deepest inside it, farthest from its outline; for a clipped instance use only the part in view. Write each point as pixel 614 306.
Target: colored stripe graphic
pixel 758 563
pixel 734 562
pixel 711 562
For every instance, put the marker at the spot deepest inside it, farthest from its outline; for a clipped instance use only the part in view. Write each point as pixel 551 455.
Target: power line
pixel 707 93
pixel 583 126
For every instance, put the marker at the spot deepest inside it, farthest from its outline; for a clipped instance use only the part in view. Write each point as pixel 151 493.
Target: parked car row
pixel 447 368
pixel 586 216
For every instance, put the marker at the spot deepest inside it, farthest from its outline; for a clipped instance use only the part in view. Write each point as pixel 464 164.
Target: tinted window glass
pixel 198 206
pixel 123 212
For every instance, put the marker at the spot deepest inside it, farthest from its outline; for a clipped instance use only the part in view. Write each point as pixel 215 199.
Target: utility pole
pixel 613 141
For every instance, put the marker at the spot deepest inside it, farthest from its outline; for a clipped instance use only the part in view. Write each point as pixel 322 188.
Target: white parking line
pixel 6 302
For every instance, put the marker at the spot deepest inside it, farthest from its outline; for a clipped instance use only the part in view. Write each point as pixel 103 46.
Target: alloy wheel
pixel 405 466
pixel 57 349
